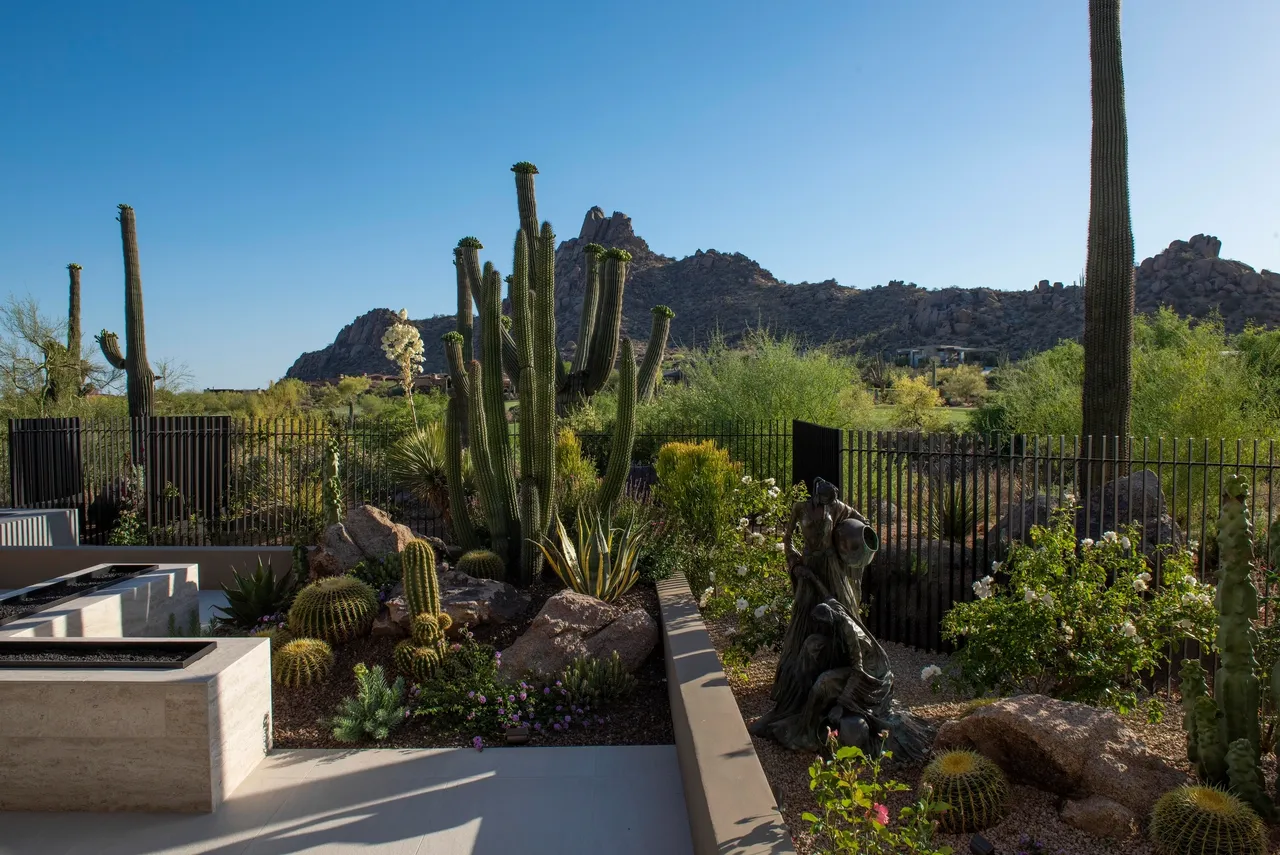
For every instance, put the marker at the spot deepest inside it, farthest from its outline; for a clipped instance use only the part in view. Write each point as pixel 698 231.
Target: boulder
pixel 572 625
pixel 1100 817
pixel 1072 750
pixel 365 532
pixel 469 601
pixel 384 625
pixel 321 562
pixel 1134 499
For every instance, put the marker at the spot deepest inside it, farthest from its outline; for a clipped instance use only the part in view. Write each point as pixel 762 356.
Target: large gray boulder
pixel 469 601
pixel 366 532
pixel 573 625
pixel 1072 750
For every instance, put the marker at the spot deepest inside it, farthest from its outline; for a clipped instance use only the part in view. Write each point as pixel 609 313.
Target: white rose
pixel 760 610
pixel 1128 630
pixel 780 547
pixel 1028 595
pixel 744 522
pixel 769 482
pixel 997 566
pixel 982 587
pixel 929 672
pixel 773 492
pixel 1110 536
pixel 740 604
pixel 711 576
pixel 705 598
pixel 1047 600
pixel 1125 544
pixel 1087 542
pixel 742 569
pixel 746 479
pixel 1068 633
pixel 757 538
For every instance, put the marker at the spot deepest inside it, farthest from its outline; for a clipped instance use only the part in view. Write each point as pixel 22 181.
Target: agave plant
pixel 251 598
pixel 602 561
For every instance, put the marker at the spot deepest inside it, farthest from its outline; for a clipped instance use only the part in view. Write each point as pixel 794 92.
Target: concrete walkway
pixel 535 801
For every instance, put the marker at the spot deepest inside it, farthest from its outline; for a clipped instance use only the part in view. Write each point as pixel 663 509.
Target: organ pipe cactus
pixel 419 655
pixel 139 378
pixel 520 508
pixel 652 364
pixel 421 586
pixel 1226 723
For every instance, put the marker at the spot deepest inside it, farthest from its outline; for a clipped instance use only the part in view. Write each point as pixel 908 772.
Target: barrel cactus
pixel 337 609
pixel 301 662
pixel 424 650
pixel 278 636
pixel 482 564
pixel 417 660
pixel 1201 820
pixel 973 786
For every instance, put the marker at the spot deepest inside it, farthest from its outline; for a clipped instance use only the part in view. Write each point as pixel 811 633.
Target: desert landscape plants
pixel 973 788
pixel 252 597
pixel 1201 820
pixel 301 662
pixel 374 711
pixel 336 609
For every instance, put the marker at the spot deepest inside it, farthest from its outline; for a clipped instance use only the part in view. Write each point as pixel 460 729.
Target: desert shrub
pixel 743 575
pixel 576 477
pixel 1080 622
pixel 851 817
pixel 597 682
pixel 601 560
pixel 915 404
pixel 381 574
pixel 695 486
pixel 963 383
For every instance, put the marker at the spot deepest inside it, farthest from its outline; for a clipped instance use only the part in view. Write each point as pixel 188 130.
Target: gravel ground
pixel 1032 812
pixel 642 719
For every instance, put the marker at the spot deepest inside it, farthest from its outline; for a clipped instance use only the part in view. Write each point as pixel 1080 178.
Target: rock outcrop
pixel 572 625
pixel 712 290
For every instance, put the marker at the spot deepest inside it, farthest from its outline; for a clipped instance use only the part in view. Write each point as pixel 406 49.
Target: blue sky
pixel 296 164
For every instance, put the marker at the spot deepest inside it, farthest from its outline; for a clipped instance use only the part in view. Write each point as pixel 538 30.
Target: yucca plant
pixel 418 462
pixel 251 598
pixel 601 561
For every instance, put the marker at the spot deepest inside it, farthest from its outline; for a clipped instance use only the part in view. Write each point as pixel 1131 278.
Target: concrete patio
pixel 537 801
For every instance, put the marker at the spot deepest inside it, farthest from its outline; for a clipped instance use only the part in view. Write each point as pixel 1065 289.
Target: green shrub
pixel 915 405
pixel 695 487
pixel 576 477
pixel 963 383
pixel 1059 627
pixel 596 682
pixel 374 711
pixel 851 818
pixel 379 574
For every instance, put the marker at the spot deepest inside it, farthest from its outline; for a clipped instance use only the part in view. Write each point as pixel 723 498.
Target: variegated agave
pixel 601 561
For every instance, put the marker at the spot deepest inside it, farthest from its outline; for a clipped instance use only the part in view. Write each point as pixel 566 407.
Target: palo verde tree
pixel 1109 274
pixel 517 489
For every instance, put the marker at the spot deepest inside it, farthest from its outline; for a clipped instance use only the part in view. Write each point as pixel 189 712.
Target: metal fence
pixel 249 482
pixel 946 507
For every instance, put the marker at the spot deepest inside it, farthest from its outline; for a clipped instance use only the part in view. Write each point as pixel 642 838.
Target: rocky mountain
pixel 729 291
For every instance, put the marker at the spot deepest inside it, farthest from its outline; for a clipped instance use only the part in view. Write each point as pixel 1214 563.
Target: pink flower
pixel 880 814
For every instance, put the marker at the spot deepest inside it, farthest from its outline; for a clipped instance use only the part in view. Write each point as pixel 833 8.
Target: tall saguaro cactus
pixel 140 380
pixel 518 495
pixel 74 350
pixel 1109 274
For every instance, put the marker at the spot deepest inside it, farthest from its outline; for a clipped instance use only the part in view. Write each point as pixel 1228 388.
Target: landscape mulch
pixel 1032 812
pixel 644 718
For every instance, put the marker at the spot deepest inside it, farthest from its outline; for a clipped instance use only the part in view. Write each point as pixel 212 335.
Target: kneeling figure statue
pixel 832 672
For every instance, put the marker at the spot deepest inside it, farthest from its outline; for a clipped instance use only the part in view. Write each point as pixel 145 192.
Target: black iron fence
pixel 249 482
pixel 947 506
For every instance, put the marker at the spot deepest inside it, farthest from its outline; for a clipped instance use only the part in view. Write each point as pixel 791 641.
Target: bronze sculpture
pixel 832 672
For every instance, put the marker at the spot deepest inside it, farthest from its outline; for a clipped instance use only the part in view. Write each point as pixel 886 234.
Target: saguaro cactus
pixel 652 364
pixel 75 353
pixel 1227 723
pixel 139 378
pixel 518 497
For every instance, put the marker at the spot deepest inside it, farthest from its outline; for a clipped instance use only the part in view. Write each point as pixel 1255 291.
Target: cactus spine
pixel 139 378
pixel 1225 727
pixel 521 510
pixel 652 364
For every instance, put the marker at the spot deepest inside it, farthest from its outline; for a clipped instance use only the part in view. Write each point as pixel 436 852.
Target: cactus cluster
pixel 482 564
pixel 424 650
pixel 336 609
pixel 1201 820
pixel 521 512
pixel 301 662
pixel 140 380
pixel 974 788
pixel 1223 731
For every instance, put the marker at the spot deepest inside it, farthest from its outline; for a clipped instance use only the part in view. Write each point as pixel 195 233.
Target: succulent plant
pixel 603 562
pixel 652 364
pixel 331 484
pixel 973 786
pixel 374 711
pixel 253 597
pixel 519 514
pixel 421 585
pixel 278 636
pixel 301 662
pixel 594 681
pixel 1202 820
pixel 140 380
pixel 418 661
pixel 336 609
pixel 482 564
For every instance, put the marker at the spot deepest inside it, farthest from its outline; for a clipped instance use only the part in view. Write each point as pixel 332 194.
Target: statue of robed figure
pixel 832 672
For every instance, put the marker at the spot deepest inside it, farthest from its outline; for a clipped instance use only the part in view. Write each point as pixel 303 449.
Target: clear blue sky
pixel 296 164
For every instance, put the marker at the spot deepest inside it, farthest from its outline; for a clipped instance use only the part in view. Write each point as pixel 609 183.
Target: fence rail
pixel 947 506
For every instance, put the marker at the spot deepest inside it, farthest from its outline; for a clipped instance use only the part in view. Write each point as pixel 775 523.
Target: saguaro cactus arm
pixel 652 365
pixel 624 434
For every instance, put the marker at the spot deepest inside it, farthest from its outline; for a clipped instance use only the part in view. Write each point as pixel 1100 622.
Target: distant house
pixel 943 354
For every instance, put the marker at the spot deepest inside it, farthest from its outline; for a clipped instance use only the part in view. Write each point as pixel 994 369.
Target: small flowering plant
pixel 1076 621
pixel 851 815
pixel 750 583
